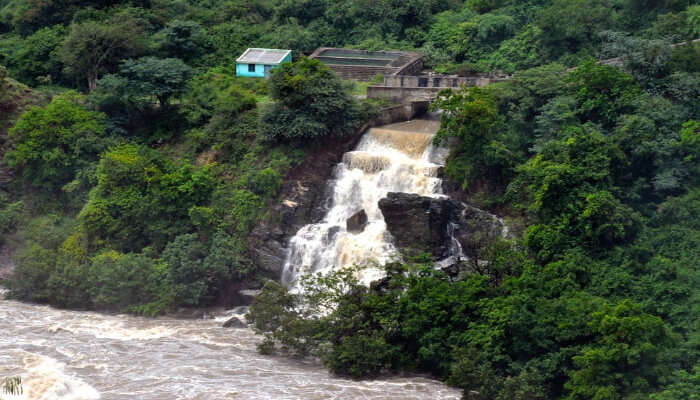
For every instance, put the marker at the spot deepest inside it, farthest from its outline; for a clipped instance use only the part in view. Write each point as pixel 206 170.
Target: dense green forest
pixel 135 166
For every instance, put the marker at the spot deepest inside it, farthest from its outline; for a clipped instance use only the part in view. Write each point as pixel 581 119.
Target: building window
pixel 436 82
pixel 251 67
pixel 422 82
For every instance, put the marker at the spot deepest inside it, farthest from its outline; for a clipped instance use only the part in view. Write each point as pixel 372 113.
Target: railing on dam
pixel 440 81
pixel 402 88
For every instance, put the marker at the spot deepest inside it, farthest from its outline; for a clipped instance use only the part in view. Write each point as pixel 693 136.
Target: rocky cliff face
pixel 304 202
pixel 427 224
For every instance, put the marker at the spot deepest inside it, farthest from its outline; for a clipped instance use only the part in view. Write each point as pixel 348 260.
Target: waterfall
pixel 393 158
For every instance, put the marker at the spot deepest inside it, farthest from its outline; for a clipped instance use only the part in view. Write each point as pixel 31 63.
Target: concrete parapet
pixel 400 113
pixel 402 94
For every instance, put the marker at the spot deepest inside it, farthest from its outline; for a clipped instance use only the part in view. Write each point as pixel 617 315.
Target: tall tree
pixel 92 47
pixel 155 77
pixel 310 101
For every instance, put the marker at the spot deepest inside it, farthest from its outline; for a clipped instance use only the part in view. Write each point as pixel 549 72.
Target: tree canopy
pixel 157 188
pixel 310 102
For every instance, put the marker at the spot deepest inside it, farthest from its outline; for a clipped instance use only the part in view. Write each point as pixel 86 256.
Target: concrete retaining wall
pixel 399 113
pixel 439 81
pixel 402 95
pixel 412 68
pixel 402 88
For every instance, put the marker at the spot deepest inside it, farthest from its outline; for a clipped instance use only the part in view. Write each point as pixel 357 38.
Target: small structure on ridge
pixel 364 65
pixel 257 63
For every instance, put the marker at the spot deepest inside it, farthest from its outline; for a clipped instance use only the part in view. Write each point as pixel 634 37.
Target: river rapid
pixel 73 355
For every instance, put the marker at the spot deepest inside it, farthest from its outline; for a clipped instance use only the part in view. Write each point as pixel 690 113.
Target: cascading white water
pixel 393 158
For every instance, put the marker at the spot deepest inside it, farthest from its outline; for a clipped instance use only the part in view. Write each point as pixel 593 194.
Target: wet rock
pixel 269 257
pixel 418 223
pixel 476 229
pixel 381 285
pixel 235 322
pixel 357 222
pixel 456 268
pixel 239 293
pixel 193 313
pixel 240 310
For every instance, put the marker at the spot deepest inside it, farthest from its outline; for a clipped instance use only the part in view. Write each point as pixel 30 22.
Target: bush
pixel 227 258
pixel 361 356
pixel 29 280
pixel 265 182
pixel 194 276
pixel 124 282
pixel 238 210
pixel 10 218
pixel 216 95
pixel 142 200
pixel 54 142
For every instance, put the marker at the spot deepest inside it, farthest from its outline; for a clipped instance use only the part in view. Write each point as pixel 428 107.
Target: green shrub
pixel 237 210
pixel 10 217
pixel 142 199
pixel 265 182
pixel 216 96
pixel 194 276
pixel 29 281
pixel 123 281
pixel 226 258
pixel 361 355
pixel 54 142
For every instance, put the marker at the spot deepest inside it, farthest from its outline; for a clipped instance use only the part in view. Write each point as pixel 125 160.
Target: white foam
pixel 46 379
pixel 111 329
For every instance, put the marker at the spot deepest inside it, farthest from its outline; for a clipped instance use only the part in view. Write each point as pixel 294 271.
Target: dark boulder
pixel 419 223
pixel 357 222
pixel 239 293
pixel 476 229
pixel 269 257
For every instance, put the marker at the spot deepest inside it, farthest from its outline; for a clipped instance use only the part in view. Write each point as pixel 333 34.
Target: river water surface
pixel 71 355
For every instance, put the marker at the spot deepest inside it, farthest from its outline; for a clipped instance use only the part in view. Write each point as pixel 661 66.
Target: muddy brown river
pixel 70 355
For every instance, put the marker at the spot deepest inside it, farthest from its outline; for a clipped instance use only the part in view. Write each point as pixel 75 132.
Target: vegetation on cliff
pixel 133 174
pixel 141 195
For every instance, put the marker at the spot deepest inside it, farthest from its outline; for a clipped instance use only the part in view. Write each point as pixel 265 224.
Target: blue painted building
pixel 257 63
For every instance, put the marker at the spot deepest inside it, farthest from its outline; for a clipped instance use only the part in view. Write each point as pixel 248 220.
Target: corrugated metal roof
pixel 263 56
